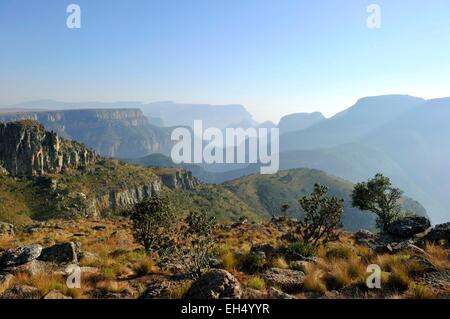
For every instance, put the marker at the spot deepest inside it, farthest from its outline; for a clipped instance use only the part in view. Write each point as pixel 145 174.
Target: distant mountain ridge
pixel 350 125
pixel 165 113
pixel 299 121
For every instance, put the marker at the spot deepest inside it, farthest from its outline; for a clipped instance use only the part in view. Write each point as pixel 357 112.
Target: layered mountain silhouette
pixel 403 137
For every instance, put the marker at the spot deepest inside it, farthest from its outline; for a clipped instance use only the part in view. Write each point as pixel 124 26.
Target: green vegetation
pixel 322 216
pixel 153 224
pixel 381 198
pixel 265 194
pixel 197 242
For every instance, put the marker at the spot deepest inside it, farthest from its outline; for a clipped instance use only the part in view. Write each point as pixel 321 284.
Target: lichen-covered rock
pixel 21 292
pixel 55 295
pixel 31 268
pixel 287 279
pixel 277 294
pixel 215 284
pixel 21 255
pixel 410 226
pixel 60 253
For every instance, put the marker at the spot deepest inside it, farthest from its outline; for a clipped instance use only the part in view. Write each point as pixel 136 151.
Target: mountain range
pixel 403 137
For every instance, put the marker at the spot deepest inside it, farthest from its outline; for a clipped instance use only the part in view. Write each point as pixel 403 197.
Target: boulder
pixel 31 268
pixel 277 294
pixel 156 291
pixel 20 256
pixel 440 232
pixel 5 282
pixel 60 253
pixel 215 284
pixel 250 293
pixel 409 226
pixel 407 246
pixel 287 279
pixel 269 250
pixel 21 292
pixel 362 236
pixel 87 257
pixel 6 229
pixel 55 295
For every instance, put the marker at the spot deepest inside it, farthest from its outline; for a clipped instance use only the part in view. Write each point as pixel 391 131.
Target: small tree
pixel 198 242
pixel 380 197
pixel 153 224
pixel 322 218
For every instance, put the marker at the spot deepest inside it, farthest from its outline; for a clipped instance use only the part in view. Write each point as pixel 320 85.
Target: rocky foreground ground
pixel 249 261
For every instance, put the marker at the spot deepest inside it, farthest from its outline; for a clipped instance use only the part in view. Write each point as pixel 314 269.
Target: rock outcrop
pixel 440 232
pixel 123 133
pixel 21 292
pixel 60 253
pixel 215 284
pixel 287 279
pixel 180 179
pixel 20 256
pixel 27 150
pixel 410 226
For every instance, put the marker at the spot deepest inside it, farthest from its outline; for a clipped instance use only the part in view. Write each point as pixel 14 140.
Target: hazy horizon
pixel 276 121
pixel 273 57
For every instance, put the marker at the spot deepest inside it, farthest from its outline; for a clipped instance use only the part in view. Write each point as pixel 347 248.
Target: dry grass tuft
pixel 256 282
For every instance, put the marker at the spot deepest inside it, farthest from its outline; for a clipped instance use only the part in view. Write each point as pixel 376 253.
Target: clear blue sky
pixel 273 56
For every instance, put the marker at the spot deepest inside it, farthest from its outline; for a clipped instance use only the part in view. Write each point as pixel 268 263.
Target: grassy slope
pixel 268 193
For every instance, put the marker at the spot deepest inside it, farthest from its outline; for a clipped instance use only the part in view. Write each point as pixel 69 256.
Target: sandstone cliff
pixel 123 133
pixel 26 149
pixel 72 180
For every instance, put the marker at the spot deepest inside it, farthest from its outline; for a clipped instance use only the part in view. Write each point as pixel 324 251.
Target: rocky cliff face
pixel 27 149
pixel 180 179
pixel 123 133
pixel 82 183
pixel 120 199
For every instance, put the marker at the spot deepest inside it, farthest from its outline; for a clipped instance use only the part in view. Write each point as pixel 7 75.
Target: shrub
pixel 302 248
pixel 153 224
pixel 154 227
pixel 322 216
pixel 197 242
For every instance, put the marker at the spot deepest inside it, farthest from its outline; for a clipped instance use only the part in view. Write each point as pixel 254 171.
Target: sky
pixel 275 57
